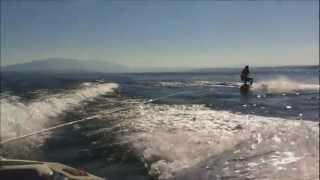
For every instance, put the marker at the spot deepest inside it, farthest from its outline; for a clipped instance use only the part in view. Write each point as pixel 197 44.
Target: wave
pixel 173 138
pixel 282 85
pixel 18 118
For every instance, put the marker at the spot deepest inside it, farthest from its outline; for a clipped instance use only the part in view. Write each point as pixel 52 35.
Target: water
pixel 200 124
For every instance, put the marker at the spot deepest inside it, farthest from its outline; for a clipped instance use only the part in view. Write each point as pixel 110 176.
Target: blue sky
pixel 162 33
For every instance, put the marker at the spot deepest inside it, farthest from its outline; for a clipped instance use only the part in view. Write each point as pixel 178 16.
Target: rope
pixel 83 120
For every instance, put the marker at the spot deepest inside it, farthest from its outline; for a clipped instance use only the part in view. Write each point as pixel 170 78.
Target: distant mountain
pixel 61 65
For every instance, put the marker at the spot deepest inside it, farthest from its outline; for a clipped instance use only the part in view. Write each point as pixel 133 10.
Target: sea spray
pixel 283 84
pixel 171 142
pixel 18 118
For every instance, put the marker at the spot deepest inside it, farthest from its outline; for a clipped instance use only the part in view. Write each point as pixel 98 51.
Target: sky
pixel 176 33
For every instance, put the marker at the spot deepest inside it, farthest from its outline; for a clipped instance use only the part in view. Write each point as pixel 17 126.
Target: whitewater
pixel 18 118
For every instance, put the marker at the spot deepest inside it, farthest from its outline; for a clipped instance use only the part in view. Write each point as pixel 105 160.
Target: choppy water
pixel 196 130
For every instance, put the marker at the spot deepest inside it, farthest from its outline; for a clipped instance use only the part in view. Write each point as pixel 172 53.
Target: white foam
pixel 18 118
pixel 285 158
pixel 283 84
pixel 173 137
pixel 280 84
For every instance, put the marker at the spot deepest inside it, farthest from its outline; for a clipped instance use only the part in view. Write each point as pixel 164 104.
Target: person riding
pixel 245 75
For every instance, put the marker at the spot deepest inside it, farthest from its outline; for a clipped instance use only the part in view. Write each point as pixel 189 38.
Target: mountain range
pixel 63 65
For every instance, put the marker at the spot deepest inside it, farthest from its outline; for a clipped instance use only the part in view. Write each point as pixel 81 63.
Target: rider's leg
pixel 250 80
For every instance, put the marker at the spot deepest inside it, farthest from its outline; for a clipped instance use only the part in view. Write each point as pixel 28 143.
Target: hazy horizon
pixel 179 34
pixel 152 68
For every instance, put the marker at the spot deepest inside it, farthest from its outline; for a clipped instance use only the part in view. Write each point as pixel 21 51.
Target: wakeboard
pixel 245 89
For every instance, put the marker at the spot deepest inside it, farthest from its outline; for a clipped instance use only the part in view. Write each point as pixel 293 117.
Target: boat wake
pixel 278 84
pixel 18 118
pixel 181 141
pixel 196 142
pixel 283 85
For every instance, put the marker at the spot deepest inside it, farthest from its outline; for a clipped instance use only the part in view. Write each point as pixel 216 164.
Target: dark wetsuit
pixel 245 76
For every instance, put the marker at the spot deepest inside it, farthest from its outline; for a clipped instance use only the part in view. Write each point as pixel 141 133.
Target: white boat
pixel 14 169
